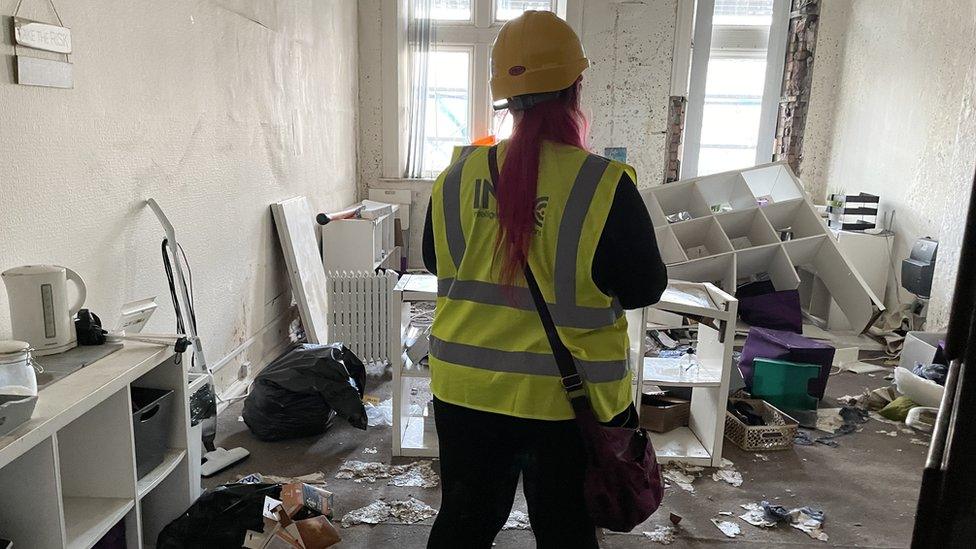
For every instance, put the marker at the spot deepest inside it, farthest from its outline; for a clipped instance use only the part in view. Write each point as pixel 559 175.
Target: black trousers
pixel 482 456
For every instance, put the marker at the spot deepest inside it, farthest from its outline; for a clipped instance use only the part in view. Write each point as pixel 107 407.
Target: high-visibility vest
pixel 488 349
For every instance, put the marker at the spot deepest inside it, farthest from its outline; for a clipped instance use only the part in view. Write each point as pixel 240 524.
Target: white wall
pixel 214 107
pixel 893 115
pixel 625 91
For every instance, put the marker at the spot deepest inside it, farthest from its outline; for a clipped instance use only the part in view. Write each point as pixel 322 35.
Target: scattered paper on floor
pixel 408 511
pixel 729 528
pixel 756 516
pixel 418 474
pixel 661 534
pixel 730 476
pixel 517 520
pixel 681 474
pixel 370 450
pixel 920 442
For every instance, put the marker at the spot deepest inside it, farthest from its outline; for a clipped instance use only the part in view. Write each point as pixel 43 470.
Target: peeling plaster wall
pixel 214 107
pixel 896 117
pixel 626 89
pixel 625 92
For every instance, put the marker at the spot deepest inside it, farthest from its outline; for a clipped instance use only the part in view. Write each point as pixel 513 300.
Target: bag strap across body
pixel 571 379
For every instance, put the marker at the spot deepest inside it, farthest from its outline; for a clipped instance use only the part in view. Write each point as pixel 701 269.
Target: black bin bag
pixel 298 394
pixel 220 518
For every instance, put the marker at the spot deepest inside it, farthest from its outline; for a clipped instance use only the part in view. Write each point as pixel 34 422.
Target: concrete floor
pixel 867 486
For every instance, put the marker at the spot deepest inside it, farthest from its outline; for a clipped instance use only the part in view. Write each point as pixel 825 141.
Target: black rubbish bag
pixel 298 394
pixel 220 518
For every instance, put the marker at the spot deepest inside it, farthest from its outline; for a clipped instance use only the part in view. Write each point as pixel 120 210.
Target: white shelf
pixel 413 432
pixel 157 475
pixel 680 444
pixel 667 372
pixel 88 519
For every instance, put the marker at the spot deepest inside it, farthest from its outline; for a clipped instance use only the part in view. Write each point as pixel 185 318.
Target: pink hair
pixel 559 120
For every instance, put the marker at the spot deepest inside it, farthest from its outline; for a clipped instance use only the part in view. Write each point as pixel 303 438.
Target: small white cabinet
pixel 68 475
pixel 362 244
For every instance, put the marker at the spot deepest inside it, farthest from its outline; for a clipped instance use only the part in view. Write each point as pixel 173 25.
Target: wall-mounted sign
pixel 34 71
pixel 42 36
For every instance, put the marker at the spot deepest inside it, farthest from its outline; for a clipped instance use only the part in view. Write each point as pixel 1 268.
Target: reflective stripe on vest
pixel 523 362
pixel 518 297
pixel 452 206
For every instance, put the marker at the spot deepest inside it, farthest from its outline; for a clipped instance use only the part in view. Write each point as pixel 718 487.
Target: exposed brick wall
pixel 797 81
pixel 676 126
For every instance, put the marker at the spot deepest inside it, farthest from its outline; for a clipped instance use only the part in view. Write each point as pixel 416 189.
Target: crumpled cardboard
pixel 299 521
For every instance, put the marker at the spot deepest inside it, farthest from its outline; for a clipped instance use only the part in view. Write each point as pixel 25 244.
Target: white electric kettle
pixel 39 311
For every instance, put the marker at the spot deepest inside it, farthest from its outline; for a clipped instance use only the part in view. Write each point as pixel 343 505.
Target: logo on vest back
pixel 485 202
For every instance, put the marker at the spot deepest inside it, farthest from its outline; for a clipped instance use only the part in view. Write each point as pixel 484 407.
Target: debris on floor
pixel 756 516
pixel 517 520
pixel 407 511
pixel 374 513
pixel 675 518
pixel 806 519
pixel 661 534
pixel 681 474
pixel 730 476
pixel 920 442
pixel 379 414
pixel 317 478
pixel 891 433
pixel 418 474
pixel 762 457
pixel 370 450
pixel 411 510
pixel 729 528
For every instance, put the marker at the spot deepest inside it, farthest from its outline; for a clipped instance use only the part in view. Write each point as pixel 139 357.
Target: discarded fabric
pixel 317 478
pixel 934 372
pixel 661 534
pixel 897 410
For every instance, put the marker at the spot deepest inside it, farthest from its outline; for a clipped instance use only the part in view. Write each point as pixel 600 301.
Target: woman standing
pixel 577 220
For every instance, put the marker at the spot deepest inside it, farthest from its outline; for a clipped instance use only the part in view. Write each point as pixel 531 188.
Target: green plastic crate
pixel 784 384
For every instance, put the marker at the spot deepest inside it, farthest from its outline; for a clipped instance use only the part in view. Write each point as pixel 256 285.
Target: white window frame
pixel 735 42
pixel 477 33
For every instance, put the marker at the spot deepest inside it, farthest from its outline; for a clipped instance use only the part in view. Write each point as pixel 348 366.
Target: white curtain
pixel 419 38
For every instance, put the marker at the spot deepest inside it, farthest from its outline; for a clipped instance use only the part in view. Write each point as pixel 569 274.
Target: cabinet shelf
pixel 88 519
pixel 157 475
pixel 668 373
pixel 681 444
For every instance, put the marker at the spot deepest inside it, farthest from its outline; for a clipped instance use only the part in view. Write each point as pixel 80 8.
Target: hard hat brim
pixel 548 79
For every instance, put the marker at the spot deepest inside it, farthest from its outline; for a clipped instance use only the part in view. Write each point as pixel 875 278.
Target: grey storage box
pixel 151 419
pixel 920 347
pixel 14 410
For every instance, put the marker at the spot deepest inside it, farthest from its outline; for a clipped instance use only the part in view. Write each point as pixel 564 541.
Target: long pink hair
pixel 560 120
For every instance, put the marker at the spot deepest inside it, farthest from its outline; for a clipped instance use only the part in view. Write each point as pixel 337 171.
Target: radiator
pixel 361 314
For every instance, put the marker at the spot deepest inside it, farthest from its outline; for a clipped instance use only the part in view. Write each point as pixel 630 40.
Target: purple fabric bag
pixel 777 344
pixel 761 305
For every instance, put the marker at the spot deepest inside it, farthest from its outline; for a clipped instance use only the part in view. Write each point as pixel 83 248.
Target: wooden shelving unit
pixel 68 475
pixel 700 443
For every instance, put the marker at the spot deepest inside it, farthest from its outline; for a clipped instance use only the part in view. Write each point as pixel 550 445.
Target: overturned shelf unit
pixel 700 443
pixel 734 227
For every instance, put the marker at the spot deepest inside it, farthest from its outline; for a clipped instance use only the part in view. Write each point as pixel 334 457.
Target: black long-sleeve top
pixel 627 263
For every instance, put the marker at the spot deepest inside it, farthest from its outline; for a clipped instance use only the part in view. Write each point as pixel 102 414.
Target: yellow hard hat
pixel 535 53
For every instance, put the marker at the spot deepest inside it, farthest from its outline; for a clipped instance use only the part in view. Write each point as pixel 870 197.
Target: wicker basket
pixel 777 434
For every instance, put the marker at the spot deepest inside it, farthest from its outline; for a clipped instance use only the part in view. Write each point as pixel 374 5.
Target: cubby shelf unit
pixel 700 443
pixel 734 227
pixel 68 475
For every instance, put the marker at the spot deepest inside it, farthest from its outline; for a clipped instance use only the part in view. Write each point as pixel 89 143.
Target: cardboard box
pixel 298 521
pixel 661 414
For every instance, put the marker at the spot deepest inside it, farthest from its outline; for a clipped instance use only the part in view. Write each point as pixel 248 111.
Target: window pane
pixel 501 124
pixel 730 121
pixel 451 10
pixel 743 12
pixel 448 116
pixel 510 9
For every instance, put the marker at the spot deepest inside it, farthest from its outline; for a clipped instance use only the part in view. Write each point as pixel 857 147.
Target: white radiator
pixel 361 312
